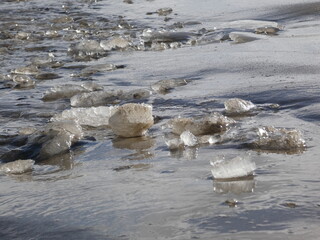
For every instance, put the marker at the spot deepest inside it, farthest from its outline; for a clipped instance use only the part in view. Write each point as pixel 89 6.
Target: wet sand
pixel 108 187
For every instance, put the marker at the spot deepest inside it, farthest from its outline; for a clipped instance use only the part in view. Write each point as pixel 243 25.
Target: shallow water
pixel 113 188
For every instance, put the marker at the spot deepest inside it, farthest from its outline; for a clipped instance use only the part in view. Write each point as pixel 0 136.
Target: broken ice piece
pixel 271 138
pixel 131 120
pixel 164 11
pixel 94 116
pixel 28 70
pixel 205 139
pixel 69 90
pixel 17 167
pixel 59 138
pixel 136 94
pixel 243 37
pixel 164 86
pixel 115 43
pixel 23 81
pixel 238 106
pixel 174 144
pixel 188 139
pixel 149 36
pixel 235 168
pixel 95 99
pixel 209 124
pixel 267 30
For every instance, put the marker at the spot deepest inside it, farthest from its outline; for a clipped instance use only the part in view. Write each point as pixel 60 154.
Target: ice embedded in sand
pixel 235 168
pixel 94 116
pixel 188 139
pixel 272 138
pixel 17 167
pixel 131 120
pixel 209 124
pixel 238 106
pixel 69 90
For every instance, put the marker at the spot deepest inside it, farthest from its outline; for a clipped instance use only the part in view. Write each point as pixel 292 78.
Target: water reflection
pixel 187 153
pixel 236 187
pixel 139 145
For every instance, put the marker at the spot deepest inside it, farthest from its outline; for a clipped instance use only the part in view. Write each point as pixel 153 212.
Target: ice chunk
pixel 96 69
pixel 95 99
pixel 69 90
pixel 136 94
pixel 243 37
pixel 250 24
pixel 131 120
pixel 87 49
pixel 155 46
pixel 23 81
pixel 115 43
pixel 94 116
pixel 210 124
pixel 28 70
pixel 271 138
pixel 238 106
pixel 235 168
pixel 188 139
pixel 18 166
pixel 59 138
pixel 163 86
pixel 267 30
pixel 72 127
pixel 149 36
pixel 174 144
pixel 205 139
pixel 164 11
